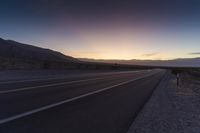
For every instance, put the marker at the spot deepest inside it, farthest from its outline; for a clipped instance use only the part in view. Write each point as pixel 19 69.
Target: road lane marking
pixel 47 85
pixel 2 121
pixel 63 77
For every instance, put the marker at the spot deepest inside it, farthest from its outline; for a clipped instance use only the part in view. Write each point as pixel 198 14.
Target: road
pixel 98 103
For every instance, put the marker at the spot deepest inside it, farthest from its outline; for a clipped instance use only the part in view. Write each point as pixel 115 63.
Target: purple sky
pixel 106 29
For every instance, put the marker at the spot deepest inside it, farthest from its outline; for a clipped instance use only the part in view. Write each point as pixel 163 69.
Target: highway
pixel 93 103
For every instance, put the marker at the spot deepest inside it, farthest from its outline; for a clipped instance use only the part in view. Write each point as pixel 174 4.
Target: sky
pixel 106 29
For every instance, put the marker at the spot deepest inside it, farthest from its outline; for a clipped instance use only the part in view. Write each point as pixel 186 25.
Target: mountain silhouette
pixel 15 50
pixel 182 62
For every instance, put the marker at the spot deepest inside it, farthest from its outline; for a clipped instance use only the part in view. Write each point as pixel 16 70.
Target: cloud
pixel 195 53
pixel 150 54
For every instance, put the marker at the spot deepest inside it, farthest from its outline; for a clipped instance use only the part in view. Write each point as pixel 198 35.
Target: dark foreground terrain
pixel 93 103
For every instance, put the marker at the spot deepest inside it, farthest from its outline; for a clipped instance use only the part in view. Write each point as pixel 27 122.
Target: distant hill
pixel 18 55
pixel 12 49
pixel 184 62
pixel 15 55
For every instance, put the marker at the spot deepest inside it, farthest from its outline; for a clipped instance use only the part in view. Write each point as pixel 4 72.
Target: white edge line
pixel 67 101
pixel 48 85
pixel 63 77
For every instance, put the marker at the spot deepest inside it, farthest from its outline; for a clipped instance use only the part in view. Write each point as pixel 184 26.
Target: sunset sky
pixel 106 29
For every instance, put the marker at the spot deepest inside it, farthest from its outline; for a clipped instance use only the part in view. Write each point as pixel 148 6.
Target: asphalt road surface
pixel 97 103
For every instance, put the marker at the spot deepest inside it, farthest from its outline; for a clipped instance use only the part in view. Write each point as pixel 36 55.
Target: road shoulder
pixel 169 110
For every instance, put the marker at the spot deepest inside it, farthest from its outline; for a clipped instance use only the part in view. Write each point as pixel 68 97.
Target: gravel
pixel 171 109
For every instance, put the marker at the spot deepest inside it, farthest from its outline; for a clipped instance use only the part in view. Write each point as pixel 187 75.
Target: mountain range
pixel 18 55
pixel 16 50
pixel 182 62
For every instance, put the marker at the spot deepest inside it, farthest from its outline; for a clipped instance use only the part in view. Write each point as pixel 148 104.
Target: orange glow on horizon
pixel 124 44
